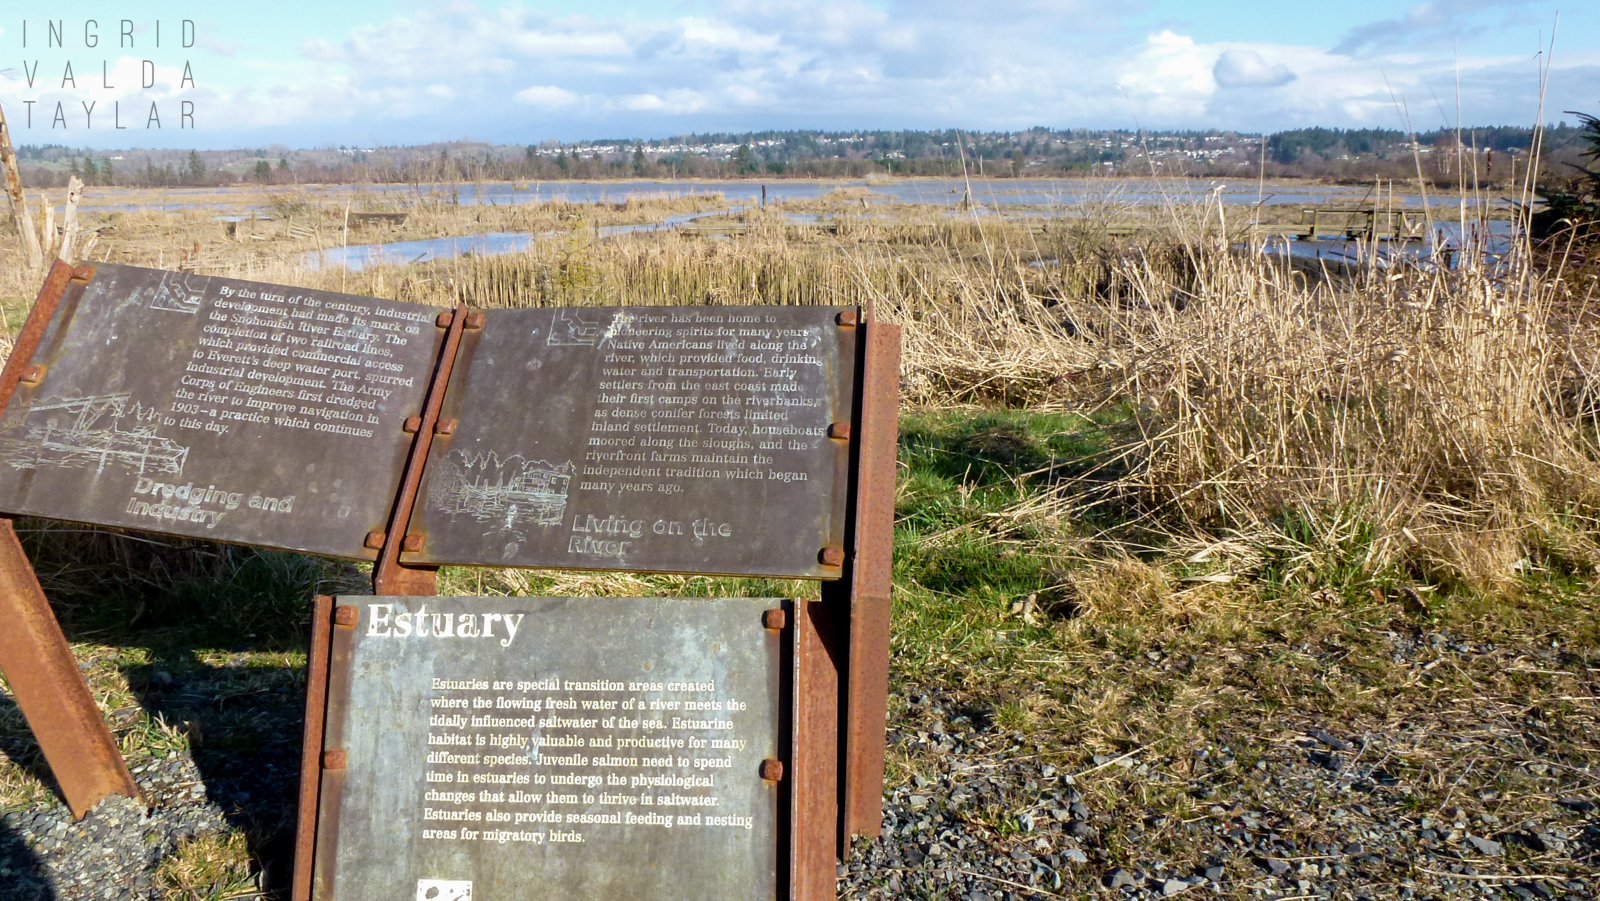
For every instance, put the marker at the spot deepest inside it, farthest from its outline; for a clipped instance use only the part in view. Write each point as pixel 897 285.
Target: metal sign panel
pixel 669 439
pixel 220 409
pixel 519 749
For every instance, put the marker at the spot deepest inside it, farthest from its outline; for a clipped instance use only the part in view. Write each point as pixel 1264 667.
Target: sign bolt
pixel 774 619
pixel 375 540
pixel 334 759
pixel 444 319
pixel 772 770
pixel 413 424
pixel 411 544
pixel 346 616
pixel 445 426
pixel 832 555
pixel 839 430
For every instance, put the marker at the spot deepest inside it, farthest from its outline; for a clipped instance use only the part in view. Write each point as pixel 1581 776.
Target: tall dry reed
pixel 1437 420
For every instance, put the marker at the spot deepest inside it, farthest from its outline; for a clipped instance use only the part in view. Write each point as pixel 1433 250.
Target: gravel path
pixel 1276 807
pixel 113 852
pixel 938 839
pixel 1320 816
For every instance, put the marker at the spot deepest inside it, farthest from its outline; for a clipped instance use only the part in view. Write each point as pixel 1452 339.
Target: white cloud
pixel 675 102
pixel 517 74
pixel 545 96
pixel 1249 69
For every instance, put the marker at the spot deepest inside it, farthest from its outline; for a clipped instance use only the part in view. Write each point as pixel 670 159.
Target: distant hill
pixel 1491 152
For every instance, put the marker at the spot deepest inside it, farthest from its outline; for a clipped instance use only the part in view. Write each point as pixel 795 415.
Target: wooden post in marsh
pixel 19 204
pixel 47 226
pixel 69 226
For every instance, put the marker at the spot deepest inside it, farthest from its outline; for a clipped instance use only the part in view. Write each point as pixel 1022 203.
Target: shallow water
pixel 1007 192
pixel 1495 243
pixel 356 257
pixel 360 256
pixel 1049 193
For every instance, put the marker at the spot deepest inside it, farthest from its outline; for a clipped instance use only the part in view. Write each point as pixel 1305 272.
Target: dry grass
pixel 1156 495
pixel 208 868
pixel 1442 415
pixel 1438 418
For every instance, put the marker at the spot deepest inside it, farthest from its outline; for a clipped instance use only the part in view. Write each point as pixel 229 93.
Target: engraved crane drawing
pixel 79 444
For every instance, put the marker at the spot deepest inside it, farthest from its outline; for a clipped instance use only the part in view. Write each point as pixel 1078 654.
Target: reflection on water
pixel 361 256
pixel 1491 241
pixel 358 257
pixel 671 222
pixel 1009 192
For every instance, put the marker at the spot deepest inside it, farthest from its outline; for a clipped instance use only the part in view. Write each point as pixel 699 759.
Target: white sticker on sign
pixel 444 890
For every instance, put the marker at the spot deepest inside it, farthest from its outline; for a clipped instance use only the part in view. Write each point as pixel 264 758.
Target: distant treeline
pixel 1486 154
pixel 1289 147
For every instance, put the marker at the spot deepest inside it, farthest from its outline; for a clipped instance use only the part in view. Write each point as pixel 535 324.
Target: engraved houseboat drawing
pixel 510 492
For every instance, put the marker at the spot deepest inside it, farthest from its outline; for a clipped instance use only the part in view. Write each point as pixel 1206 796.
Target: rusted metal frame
pixel 786 722
pixel 814 750
pixel 50 689
pixel 389 575
pixel 836 593
pixel 305 834
pixel 866 680
pixel 859 600
pixel 328 757
pixel 20 364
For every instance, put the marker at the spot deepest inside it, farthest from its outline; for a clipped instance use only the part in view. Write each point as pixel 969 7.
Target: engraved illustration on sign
pixel 574 327
pixel 510 493
pixel 176 294
pixel 217 408
pixel 700 439
pixel 552 748
pixel 69 439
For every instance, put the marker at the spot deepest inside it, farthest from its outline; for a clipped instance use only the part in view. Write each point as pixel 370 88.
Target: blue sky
pixel 370 73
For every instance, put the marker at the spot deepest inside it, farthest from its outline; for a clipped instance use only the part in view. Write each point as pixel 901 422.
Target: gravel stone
pixel 1485 846
pixel 1119 879
pixel 113 852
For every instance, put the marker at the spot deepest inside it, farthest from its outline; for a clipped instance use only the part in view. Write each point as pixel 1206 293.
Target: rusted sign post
pixel 34 655
pixel 749 441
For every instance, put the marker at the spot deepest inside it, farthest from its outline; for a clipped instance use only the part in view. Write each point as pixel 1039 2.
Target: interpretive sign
pixel 551 748
pixel 683 439
pixel 490 747
pixel 217 408
pixel 708 440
